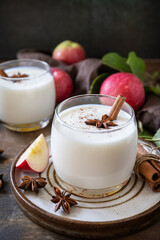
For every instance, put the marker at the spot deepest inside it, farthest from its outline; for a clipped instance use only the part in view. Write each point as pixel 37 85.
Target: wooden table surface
pixel 14 224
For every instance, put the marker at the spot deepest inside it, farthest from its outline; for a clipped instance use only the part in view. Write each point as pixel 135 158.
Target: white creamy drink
pixel 30 100
pixel 89 157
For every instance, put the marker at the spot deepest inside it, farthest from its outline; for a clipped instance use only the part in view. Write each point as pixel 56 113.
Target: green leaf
pixel 115 61
pixel 156 138
pixel 97 82
pixel 140 125
pixel 146 135
pixel 137 65
pixel 154 89
pixel 156 75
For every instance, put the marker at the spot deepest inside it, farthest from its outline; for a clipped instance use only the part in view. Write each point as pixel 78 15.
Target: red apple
pixel 127 85
pixel 36 156
pixel 69 52
pixel 63 84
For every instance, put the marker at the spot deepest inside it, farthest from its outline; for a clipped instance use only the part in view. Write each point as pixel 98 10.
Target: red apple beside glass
pixel 127 85
pixel 63 84
pixel 69 52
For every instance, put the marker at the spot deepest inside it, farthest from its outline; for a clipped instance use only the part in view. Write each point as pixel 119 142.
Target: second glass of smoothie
pixel 89 161
pixel 27 94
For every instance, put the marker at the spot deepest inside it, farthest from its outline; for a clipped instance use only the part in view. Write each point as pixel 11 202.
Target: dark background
pixel 100 26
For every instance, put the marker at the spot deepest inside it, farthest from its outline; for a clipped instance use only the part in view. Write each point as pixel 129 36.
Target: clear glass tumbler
pixel 27 94
pixel 92 162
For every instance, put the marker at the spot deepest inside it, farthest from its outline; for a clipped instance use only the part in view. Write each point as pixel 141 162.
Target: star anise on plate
pixel 105 122
pixel 32 184
pixel 62 199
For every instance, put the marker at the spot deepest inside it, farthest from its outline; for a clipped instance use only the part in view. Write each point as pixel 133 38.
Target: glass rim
pixel 9 79
pixel 90 131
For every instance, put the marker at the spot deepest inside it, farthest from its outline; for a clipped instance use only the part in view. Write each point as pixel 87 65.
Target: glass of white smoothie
pixel 93 161
pixel 27 94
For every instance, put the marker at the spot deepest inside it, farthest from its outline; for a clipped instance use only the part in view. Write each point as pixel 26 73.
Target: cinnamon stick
pixel 149 168
pixel 106 120
pixel 116 107
pixel 145 168
pixel 149 172
pixel 18 75
pixel 2 73
pixel 156 165
pixel 154 186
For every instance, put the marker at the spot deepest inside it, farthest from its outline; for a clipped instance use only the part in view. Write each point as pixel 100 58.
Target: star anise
pixel 105 122
pixel 62 199
pixel 1 176
pixel 19 75
pixel 32 184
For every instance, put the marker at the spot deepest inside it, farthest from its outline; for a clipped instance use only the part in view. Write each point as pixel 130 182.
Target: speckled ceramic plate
pixel 125 212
